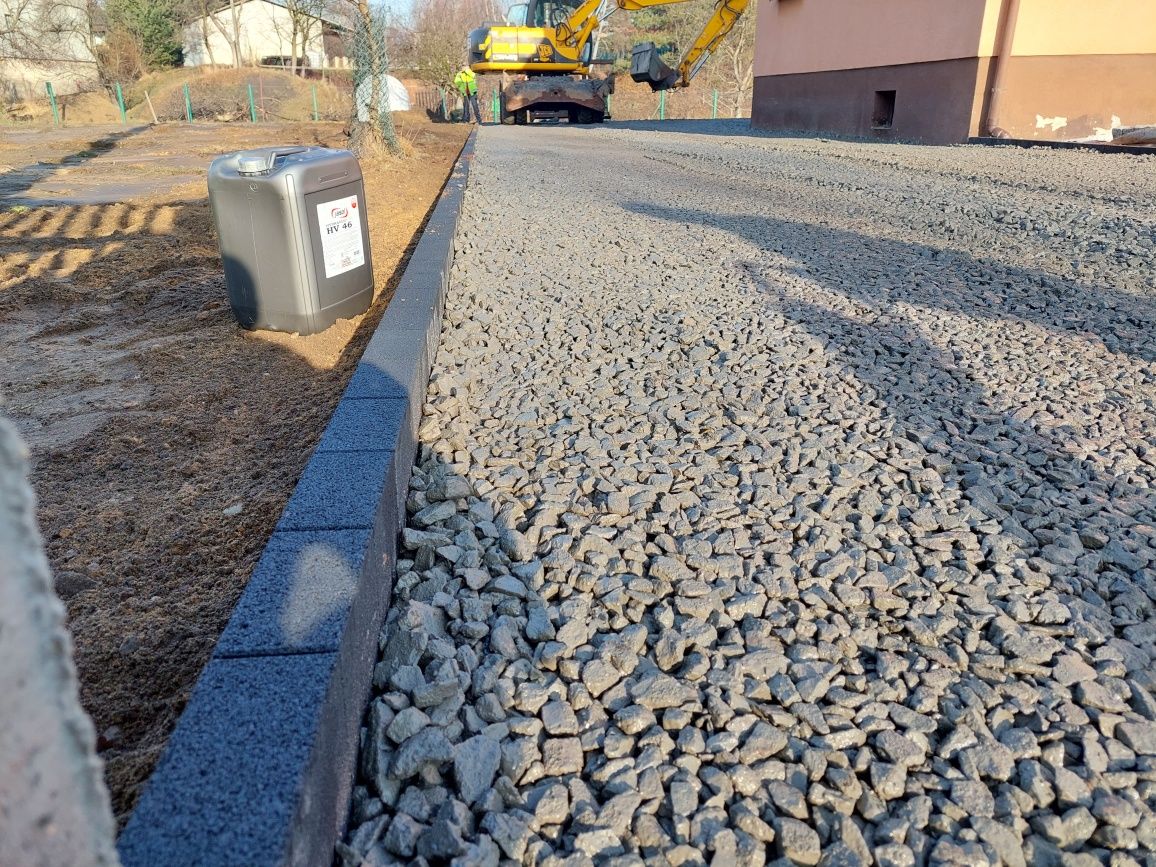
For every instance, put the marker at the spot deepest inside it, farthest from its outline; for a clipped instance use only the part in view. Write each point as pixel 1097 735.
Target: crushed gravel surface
pixel 779 501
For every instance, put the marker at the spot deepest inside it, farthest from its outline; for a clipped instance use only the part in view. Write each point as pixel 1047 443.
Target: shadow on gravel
pixel 949 280
pixel 730 127
pixel 1069 518
pixel 726 126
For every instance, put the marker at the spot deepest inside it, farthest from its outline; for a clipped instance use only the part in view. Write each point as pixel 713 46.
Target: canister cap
pixel 252 165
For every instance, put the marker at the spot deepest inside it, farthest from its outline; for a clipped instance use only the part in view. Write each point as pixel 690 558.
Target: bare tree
pixel 440 30
pixel 371 126
pixel 198 11
pixel 733 71
pixel 230 30
pixel 45 31
pixel 305 22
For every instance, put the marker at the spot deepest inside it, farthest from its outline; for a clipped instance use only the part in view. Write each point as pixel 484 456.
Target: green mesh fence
pixel 370 61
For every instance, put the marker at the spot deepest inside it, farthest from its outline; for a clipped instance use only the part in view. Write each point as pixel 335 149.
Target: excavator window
pixel 517 15
pixel 550 13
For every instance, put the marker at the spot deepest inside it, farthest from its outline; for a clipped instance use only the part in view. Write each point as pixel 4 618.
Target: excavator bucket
pixel 646 65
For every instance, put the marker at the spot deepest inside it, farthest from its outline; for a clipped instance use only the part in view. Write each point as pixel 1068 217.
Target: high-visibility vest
pixel 466 82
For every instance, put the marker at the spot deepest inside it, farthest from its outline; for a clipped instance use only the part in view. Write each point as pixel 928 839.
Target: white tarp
pixel 393 97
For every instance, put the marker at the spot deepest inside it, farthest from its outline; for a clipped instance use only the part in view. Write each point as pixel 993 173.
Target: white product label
pixel 341 246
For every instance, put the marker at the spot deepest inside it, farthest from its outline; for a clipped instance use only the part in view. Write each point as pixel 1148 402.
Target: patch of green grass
pixel 19 209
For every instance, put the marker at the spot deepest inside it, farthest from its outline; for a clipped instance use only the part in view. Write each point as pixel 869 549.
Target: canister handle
pixel 282 153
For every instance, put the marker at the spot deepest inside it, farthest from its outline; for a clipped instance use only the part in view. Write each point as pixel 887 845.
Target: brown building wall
pixel 1076 67
pixel 942 102
pixel 935 102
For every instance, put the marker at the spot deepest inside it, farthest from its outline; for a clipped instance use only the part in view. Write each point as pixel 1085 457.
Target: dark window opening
pixel 884 115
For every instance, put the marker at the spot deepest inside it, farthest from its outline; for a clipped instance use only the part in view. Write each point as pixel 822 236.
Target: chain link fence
pixel 272 94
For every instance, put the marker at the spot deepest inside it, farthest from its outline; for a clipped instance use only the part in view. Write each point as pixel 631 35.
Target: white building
pixel 45 41
pixel 261 32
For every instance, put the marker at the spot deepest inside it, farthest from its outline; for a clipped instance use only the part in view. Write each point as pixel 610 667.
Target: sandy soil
pixel 165 439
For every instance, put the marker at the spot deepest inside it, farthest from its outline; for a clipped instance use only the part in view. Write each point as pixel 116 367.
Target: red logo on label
pixel 339 213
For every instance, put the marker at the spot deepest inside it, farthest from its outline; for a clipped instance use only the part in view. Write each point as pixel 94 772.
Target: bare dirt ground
pixel 165 439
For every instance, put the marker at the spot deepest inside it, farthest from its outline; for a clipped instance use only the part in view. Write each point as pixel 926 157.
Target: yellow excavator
pixel 548 45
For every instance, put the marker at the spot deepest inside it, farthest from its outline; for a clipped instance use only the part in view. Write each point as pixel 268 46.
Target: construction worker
pixel 466 83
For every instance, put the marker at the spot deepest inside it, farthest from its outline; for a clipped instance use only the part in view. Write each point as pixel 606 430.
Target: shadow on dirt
pixel 14 183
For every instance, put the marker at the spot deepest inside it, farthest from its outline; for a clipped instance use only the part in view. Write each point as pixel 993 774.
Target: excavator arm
pixel 647 66
pixel 585 19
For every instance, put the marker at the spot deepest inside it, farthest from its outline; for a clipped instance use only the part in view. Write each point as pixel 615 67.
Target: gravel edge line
pixel 260 767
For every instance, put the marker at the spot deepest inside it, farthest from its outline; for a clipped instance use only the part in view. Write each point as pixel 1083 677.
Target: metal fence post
pixel 252 105
pixel 120 103
pixel 662 105
pixel 316 114
pixel 188 104
pixel 494 105
pixel 714 104
pixel 52 101
pixel 445 115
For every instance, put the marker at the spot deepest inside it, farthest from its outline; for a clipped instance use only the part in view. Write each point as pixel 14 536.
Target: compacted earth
pixel 779 501
pixel 165 440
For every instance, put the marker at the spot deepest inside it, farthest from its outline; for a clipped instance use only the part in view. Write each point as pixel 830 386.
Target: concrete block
pixel 230 787
pixel 409 314
pixel 404 357
pixel 338 491
pixel 299 596
pixel 425 287
pixel 54 807
pixel 387 377
pixel 365 425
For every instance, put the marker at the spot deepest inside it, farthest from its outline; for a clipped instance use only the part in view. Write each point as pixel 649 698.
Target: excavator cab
pixel 528 42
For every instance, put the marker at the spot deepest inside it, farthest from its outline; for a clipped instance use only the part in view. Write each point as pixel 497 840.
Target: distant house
pixel 45 41
pixel 262 32
pixel 940 71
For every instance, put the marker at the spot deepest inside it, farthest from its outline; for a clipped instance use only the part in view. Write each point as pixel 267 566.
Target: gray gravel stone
pixel 428 747
pixel 476 763
pixel 561 756
pixel 408 722
pixel 796 841
pixel 1140 736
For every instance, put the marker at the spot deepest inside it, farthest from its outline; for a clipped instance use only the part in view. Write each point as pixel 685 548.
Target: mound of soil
pixel 223 95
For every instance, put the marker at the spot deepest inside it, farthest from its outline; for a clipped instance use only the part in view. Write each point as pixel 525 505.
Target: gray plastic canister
pixel 294 237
